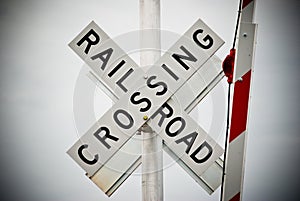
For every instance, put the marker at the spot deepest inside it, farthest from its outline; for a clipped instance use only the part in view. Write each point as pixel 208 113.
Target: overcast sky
pixel 38 74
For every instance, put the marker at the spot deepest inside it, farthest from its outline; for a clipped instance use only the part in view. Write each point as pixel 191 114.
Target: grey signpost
pixel 152 153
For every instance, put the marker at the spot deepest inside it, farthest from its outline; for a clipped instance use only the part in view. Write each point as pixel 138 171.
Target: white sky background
pixel 37 79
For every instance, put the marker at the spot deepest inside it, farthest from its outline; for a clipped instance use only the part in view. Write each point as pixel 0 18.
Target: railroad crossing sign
pixel 149 98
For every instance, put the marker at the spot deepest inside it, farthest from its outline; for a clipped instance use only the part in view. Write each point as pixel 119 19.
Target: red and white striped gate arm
pixel 233 183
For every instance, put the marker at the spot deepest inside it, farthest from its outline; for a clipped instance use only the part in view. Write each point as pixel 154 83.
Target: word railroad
pixel 157 98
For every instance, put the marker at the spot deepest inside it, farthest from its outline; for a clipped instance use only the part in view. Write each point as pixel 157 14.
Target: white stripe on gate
pixel 234 172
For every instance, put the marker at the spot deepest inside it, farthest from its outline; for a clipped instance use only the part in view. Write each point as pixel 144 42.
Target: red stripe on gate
pixel 240 106
pixel 236 197
pixel 246 2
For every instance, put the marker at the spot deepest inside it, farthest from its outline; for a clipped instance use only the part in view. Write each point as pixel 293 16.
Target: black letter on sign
pixel 163 114
pixel 179 57
pixel 209 153
pixel 90 42
pixel 121 80
pixel 127 115
pixel 105 59
pixel 83 158
pixel 164 85
pixel 182 126
pixel 205 39
pixel 188 140
pixel 135 102
pixel 116 68
pixel 164 66
pixel 106 135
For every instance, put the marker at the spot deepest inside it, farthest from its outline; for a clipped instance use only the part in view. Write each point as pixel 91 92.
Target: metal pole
pixel 152 175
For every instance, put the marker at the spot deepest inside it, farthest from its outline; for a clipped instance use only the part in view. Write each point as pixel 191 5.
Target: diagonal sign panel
pixel 127 114
pixel 117 71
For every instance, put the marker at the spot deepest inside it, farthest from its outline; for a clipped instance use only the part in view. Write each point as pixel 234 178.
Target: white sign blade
pixel 113 67
pixel 184 137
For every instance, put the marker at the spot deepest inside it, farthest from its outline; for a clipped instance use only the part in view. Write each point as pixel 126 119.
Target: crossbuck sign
pixel 147 99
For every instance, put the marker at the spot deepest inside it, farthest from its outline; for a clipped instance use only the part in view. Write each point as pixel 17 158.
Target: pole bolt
pixel 145 117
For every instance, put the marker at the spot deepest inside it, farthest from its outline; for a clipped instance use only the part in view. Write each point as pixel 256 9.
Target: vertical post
pixel 234 169
pixel 152 175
